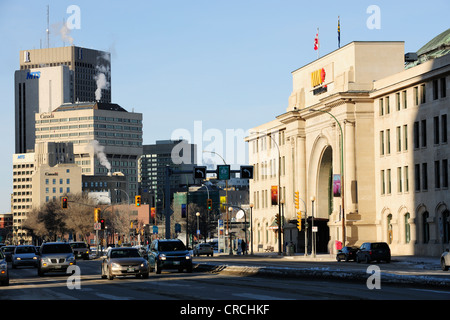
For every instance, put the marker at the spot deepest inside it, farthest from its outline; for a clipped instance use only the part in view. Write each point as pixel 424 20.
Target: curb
pixel 322 273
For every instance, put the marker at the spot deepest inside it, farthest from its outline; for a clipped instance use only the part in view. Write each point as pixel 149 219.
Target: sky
pixel 207 69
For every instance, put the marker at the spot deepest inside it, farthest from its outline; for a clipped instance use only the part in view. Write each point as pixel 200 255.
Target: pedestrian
pixel 243 247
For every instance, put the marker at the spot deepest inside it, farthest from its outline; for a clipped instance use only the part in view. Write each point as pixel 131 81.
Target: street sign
pixel 314 229
pixel 200 172
pixel 223 172
pixel 97 226
pixel 246 172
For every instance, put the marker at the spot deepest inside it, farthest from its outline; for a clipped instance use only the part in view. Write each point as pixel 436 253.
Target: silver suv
pixel 55 256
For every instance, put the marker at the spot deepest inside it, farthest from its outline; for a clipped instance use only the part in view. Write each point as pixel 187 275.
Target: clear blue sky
pixel 226 64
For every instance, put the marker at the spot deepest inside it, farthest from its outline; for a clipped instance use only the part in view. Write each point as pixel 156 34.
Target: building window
pixel 398 101
pixel 388 106
pixel 406 171
pixel 388 141
pixel 425 227
pixel 417 177
pixel 424 176
pixel 399 180
pixel 423 94
pixel 381 107
pixel 436 130
pixel 389 181
pixel 444 128
pixel 416 96
pixel 382 143
pixel 383 183
pixel 435 89
pixel 405 101
pixel 446 227
pixel 407 228
pixel 445 173
pixel 437 174
pixel 424 133
pixel 405 137
pixel 416 135
pixel 399 139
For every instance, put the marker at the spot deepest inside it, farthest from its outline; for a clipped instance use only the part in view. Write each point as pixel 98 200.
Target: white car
pixel 445 260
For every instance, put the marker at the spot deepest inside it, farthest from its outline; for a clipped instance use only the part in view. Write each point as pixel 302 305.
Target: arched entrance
pixel 324 199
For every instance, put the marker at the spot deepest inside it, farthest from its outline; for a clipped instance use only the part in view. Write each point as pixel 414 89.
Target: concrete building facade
pixel 346 143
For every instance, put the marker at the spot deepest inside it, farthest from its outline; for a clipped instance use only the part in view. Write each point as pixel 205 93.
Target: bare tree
pixel 79 215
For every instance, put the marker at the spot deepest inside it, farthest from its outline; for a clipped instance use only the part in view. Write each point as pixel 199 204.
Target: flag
pixel 339 33
pixel 316 41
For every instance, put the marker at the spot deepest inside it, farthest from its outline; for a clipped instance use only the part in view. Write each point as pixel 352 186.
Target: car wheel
pixel 338 259
pixel 367 260
pixel 40 273
pixel 145 275
pixel 110 275
pixel 189 269
pixel 157 268
pixel 5 282
pixel 444 267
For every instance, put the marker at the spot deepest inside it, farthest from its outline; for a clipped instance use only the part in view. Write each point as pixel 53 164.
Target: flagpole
pixel 339 31
pixel 318 44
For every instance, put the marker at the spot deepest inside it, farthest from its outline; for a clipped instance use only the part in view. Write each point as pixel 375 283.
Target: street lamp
pixel 279 195
pixel 251 228
pixel 342 171
pixel 230 210
pixel 198 227
pixel 313 234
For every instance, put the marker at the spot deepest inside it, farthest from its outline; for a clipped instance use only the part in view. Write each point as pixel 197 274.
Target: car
pixel 55 257
pixel 24 255
pixel 370 251
pixel 80 250
pixel 124 261
pixel 203 248
pixel 346 254
pixel 169 254
pixel 8 251
pixel 445 260
pixel 4 274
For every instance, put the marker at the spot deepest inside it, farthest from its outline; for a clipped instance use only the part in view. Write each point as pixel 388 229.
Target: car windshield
pixel 125 253
pixel 8 249
pixel 56 248
pixel 381 245
pixel 172 246
pixel 25 250
pixel 78 245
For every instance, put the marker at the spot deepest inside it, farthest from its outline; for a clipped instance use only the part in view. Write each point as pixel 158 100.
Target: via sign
pixel 33 75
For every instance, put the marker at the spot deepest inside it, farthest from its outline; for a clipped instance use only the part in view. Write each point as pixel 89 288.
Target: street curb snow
pixel 323 273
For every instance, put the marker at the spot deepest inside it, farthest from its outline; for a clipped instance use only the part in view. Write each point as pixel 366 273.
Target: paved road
pixel 199 286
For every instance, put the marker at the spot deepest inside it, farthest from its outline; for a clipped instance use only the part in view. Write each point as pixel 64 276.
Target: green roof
pixel 437 47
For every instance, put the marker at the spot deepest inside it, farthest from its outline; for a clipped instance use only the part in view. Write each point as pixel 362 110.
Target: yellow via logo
pixel 317 77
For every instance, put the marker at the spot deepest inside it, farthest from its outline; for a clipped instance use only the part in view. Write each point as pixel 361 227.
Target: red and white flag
pixel 316 41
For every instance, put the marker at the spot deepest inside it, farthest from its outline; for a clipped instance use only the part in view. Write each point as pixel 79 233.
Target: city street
pixel 203 285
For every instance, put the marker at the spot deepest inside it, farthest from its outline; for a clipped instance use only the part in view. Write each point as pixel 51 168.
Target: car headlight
pixel 162 256
pixel 144 264
pixel 18 258
pixel 188 256
pixel 115 265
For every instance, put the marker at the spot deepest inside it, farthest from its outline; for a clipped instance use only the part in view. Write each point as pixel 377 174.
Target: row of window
pixel 95 118
pixel 61 190
pixel 269 141
pixel 101 141
pixel 419 96
pixel 269 169
pixel 61 181
pixel 420 140
pixel 441 177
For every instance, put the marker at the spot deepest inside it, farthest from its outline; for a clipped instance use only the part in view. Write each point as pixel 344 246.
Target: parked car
pixel 445 260
pixel 169 254
pixel 24 255
pixel 80 250
pixel 347 254
pixel 4 274
pixel 124 261
pixel 8 251
pixel 370 251
pixel 203 248
pixel 55 256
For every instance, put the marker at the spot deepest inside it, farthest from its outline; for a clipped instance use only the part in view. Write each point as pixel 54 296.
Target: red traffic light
pixel 64 202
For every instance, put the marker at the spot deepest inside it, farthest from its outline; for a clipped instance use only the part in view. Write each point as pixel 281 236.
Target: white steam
pixel 102 75
pixel 101 156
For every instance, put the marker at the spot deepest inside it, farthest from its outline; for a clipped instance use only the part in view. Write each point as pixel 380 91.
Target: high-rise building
pixel 53 76
pixel 177 154
pixel 106 138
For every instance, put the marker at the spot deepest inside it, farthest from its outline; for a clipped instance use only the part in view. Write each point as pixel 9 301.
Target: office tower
pixel 50 77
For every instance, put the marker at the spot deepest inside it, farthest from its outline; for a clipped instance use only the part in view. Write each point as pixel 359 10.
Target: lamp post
pixel 313 234
pixel 341 147
pixel 230 210
pixel 279 196
pixel 198 226
pixel 251 228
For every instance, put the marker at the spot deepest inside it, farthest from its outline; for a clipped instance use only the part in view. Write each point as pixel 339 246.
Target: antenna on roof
pixel 48 26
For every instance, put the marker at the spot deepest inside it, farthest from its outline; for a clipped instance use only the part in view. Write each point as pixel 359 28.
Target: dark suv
pixel 169 254
pixel 370 251
pixel 80 250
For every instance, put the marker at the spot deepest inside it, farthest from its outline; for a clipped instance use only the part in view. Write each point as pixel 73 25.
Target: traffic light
pixel 299 221
pixel 102 224
pixel 137 201
pixel 64 202
pixel 296 200
pixel 277 219
pixel 97 214
pixel 209 204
